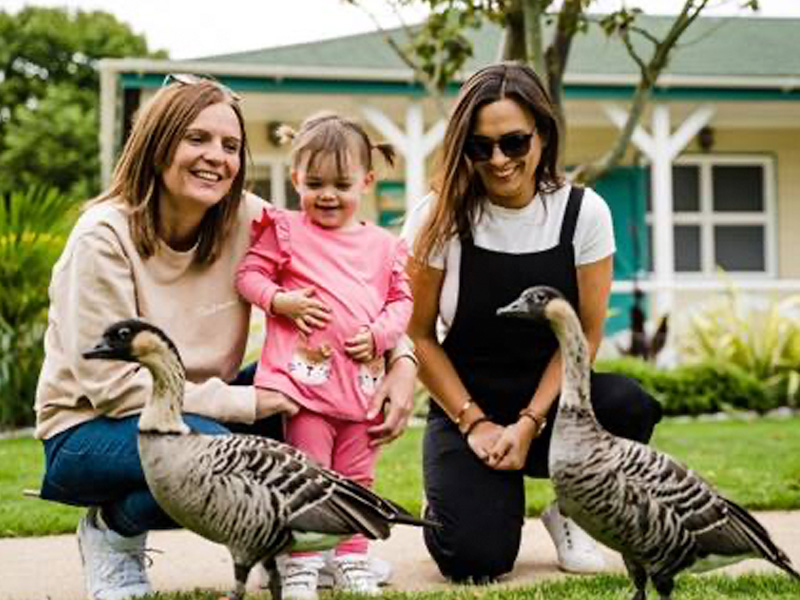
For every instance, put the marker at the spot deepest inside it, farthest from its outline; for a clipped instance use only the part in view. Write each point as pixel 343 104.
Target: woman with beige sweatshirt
pixel 161 244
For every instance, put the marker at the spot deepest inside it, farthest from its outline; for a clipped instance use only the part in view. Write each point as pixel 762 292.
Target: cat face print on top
pixel 311 365
pixel 370 375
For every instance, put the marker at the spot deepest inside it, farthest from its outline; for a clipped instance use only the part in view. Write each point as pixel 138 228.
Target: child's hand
pixel 300 306
pixel 361 347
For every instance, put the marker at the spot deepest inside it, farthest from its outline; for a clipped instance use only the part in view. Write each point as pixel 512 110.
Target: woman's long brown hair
pixel 459 190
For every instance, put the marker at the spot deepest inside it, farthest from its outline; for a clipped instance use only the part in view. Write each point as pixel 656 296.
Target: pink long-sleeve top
pixel 359 273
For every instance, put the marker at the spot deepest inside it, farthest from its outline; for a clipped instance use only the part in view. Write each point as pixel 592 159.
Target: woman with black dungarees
pixel 503 219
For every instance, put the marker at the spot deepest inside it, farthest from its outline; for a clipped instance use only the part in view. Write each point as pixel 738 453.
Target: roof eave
pixel 140 65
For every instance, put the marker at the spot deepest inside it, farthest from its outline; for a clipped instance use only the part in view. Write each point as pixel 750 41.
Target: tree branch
pixel 592 171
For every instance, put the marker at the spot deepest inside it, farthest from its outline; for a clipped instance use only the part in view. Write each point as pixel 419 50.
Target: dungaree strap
pixel 571 214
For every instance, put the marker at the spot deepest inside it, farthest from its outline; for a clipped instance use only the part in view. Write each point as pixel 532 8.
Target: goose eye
pixel 124 333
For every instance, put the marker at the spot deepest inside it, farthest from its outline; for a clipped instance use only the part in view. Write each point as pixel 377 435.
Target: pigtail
pixel 386 150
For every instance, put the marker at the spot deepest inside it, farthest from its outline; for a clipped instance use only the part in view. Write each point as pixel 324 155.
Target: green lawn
pixel 600 587
pixel 756 463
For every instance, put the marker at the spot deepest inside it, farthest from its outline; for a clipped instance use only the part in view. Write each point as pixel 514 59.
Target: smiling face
pixel 205 163
pixel 329 195
pixel 509 182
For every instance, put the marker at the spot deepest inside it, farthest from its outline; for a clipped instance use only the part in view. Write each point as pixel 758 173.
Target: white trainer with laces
pixel 381 569
pixel 577 551
pixel 300 576
pixel 113 565
pixel 352 573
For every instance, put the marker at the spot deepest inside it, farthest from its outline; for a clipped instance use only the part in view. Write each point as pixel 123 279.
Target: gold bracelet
pixel 464 408
pixel 538 420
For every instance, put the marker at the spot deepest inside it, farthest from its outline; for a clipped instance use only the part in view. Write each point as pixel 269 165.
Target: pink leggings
pixel 339 445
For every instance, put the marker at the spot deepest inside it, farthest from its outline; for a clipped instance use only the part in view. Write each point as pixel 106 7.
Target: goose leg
pixel 275 587
pixel 664 585
pixel 240 573
pixel 638 576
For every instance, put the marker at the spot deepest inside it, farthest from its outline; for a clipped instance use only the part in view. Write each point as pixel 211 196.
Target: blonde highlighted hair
pixel 460 192
pixel 327 133
pixel 136 182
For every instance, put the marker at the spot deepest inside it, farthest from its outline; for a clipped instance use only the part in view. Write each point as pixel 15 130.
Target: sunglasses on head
pixel 480 148
pixel 192 79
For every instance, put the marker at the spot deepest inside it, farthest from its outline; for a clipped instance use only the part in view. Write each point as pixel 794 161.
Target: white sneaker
pixel 113 565
pixel 381 569
pixel 577 551
pixel 353 573
pixel 299 577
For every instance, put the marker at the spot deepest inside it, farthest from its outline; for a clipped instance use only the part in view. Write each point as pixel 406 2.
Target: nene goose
pixel 660 516
pixel 256 496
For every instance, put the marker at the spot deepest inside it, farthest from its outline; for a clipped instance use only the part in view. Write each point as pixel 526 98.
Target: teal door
pixel 626 189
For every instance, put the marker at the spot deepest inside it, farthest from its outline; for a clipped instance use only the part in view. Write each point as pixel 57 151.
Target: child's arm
pixel 258 271
pixel 257 275
pixel 385 331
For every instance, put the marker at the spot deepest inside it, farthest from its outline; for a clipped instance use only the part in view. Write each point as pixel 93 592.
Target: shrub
pixel 706 387
pixel 33 227
pixel 762 339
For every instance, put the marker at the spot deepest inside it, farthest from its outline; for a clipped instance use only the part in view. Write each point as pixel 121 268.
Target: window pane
pixel 686 188
pixel 740 247
pixel 738 188
pixel 687 248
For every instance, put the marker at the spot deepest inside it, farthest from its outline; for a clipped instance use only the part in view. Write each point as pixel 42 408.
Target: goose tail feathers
pixel 760 538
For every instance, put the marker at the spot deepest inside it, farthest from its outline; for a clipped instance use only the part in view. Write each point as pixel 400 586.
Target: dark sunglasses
pixel 479 148
pixel 192 79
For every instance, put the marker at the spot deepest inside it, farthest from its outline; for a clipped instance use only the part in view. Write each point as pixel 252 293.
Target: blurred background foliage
pixel 49 165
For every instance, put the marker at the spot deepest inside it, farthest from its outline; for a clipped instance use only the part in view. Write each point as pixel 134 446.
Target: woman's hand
pixel 483 438
pixel 361 346
pixel 395 397
pixel 301 307
pixel 510 450
pixel 270 402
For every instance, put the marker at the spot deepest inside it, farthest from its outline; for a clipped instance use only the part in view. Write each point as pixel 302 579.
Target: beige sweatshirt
pixel 100 279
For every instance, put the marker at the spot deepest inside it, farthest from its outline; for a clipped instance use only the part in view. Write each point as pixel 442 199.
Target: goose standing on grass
pixel 256 496
pixel 659 515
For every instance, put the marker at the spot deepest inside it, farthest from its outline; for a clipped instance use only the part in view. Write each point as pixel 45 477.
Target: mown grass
pixel 756 463
pixel 600 587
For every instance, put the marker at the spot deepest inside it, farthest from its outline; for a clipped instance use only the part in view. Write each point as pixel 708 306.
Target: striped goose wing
pixel 717 525
pixel 311 498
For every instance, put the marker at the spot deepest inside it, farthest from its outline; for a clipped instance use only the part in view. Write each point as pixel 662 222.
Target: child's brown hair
pixel 326 133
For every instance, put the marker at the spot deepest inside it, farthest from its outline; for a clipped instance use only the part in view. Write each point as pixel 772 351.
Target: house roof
pixel 717 47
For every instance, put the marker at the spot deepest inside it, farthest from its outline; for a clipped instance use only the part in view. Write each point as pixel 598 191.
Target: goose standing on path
pixel 660 516
pixel 256 496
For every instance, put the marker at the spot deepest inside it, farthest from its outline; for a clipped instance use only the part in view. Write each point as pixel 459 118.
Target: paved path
pixel 49 568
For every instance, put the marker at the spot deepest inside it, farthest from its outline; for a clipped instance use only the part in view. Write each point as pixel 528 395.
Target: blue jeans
pixel 97 464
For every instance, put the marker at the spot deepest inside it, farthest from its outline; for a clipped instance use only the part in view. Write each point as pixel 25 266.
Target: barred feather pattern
pixel 249 493
pixel 661 516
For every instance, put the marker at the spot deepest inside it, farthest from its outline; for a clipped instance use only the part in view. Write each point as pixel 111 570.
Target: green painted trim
pixel 288 85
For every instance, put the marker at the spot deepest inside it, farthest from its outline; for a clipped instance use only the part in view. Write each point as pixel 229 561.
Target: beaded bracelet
pixel 539 421
pixel 474 424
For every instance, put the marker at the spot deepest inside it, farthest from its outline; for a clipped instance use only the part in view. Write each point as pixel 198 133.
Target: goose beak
pixel 102 350
pixel 518 308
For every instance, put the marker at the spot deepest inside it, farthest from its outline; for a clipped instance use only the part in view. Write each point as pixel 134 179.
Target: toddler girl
pixel 339 298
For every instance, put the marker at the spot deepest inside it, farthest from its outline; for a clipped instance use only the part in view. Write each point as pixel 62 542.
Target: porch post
pixel 108 122
pixel 415 144
pixel 661 147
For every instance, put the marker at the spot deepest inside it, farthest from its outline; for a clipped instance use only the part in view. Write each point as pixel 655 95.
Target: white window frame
pixel 278 168
pixel 706 218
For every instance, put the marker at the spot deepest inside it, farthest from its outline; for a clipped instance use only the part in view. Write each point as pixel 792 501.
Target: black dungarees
pixel 500 361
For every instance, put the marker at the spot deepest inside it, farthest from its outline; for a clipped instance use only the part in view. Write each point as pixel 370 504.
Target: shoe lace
pixel 128 566
pixel 356 573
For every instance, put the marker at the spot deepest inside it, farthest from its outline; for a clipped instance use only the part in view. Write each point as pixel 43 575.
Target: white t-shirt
pixel 533 228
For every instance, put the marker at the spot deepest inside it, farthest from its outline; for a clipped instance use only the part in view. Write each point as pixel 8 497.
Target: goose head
pixel 133 340
pixel 532 303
